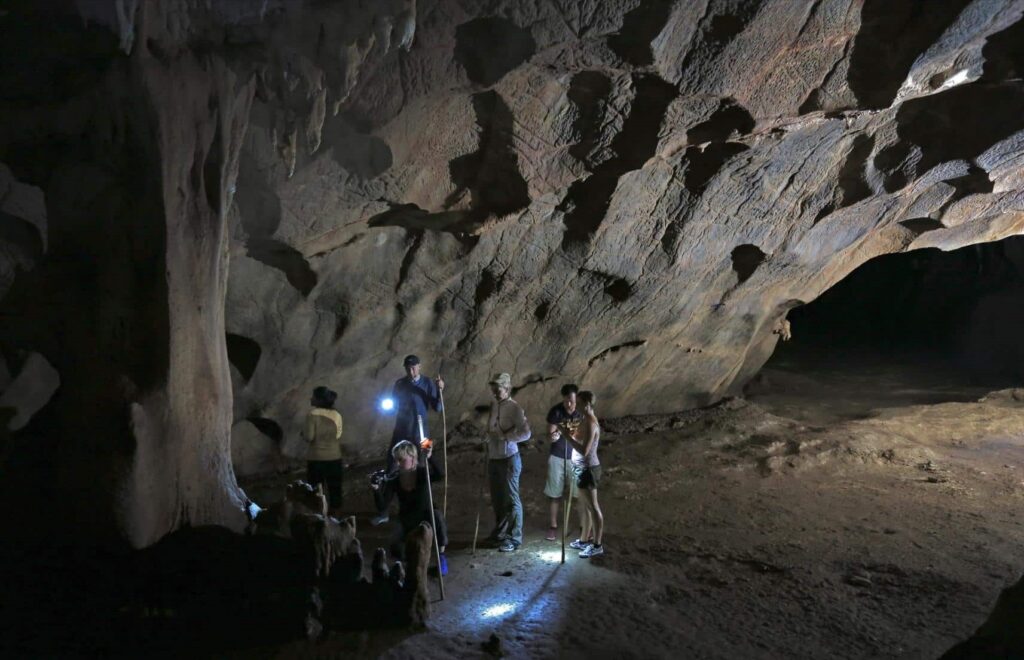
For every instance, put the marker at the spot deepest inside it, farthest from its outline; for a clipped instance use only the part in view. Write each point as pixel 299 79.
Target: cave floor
pixel 739 531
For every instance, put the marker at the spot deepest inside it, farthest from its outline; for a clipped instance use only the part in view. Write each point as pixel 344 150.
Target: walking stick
pixel 433 515
pixel 480 503
pixel 444 449
pixel 568 494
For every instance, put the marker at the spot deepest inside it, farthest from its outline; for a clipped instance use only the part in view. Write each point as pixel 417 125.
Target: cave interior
pixel 782 241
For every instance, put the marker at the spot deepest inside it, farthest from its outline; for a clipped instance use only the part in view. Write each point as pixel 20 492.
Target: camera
pixel 379 477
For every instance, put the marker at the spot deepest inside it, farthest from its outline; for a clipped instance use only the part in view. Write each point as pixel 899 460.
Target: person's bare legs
pixel 596 516
pixel 585 523
pixel 554 511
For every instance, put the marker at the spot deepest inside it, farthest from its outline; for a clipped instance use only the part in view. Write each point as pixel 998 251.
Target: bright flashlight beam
pixel 387 404
pixel 550 555
pixel 497 610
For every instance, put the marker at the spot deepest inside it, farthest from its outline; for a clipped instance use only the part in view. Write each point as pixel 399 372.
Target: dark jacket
pixel 412 399
pixel 413 504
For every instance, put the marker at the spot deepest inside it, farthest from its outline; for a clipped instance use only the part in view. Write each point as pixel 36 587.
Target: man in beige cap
pixel 506 428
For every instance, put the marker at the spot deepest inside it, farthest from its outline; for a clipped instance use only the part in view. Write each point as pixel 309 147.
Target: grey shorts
pixel 555 485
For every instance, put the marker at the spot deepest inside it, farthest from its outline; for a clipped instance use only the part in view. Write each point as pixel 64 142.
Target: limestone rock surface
pixel 628 195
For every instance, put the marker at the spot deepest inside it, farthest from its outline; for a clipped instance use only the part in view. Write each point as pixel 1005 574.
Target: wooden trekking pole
pixel 568 492
pixel 444 450
pixel 480 503
pixel 433 514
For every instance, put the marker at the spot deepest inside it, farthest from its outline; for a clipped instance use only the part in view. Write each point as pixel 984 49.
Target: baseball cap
pixel 410 360
pixel 501 380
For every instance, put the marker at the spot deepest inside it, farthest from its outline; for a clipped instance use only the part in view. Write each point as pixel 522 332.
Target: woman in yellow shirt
pixel 322 434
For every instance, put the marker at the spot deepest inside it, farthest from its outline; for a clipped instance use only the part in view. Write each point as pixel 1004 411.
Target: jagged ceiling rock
pixel 629 195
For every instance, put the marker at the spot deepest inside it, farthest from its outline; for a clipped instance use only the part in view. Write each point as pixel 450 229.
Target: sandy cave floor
pixel 837 530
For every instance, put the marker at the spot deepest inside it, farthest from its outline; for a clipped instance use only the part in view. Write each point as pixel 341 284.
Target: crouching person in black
pixel 409 486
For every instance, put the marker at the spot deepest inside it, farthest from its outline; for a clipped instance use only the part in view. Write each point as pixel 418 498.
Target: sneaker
pixel 592 551
pixel 508 545
pixel 379 520
pixel 552 534
pixel 443 564
pixel 579 544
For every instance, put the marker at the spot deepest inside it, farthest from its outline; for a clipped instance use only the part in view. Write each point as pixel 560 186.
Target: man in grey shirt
pixel 506 428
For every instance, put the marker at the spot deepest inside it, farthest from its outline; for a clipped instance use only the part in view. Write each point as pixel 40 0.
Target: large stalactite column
pixel 181 469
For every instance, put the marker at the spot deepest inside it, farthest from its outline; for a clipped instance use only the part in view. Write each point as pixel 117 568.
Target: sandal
pixel 552 534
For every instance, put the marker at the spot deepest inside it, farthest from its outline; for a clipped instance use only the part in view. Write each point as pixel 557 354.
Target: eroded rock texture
pixel 630 194
pixel 135 157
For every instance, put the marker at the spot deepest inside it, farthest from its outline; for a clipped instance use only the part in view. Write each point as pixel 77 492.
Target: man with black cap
pixel 413 396
pixel 506 428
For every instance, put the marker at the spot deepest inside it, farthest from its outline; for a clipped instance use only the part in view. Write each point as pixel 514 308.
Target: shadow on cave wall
pixel 491 174
pixel 489 47
pixel 892 35
pixel 640 26
pixel 587 201
pixel 488 182
pixel 259 209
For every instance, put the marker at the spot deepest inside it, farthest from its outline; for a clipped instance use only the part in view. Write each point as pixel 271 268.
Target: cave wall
pixel 624 194
pixel 629 194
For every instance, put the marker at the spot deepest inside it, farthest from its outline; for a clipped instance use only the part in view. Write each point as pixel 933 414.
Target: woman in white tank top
pixel 586 441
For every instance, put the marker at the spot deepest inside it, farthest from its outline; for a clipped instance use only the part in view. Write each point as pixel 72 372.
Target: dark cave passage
pixel 919 327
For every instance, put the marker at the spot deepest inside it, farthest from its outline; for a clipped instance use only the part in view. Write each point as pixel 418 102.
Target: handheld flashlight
pixel 387 404
pixel 425 442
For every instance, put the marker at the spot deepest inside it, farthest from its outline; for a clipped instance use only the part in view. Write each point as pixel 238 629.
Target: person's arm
pixel 437 385
pixel 565 432
pixel 337 438
pixel 384 492
pixel 554 432
pixel 309 430
pixel 592 437
pixel 395 401
pixel 520 431
pixel 588 442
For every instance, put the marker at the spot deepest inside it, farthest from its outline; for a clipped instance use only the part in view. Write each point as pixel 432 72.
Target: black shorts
pixel 589 477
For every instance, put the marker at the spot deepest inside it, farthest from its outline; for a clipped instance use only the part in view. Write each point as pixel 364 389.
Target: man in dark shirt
pixel 566 415
pixel 413 396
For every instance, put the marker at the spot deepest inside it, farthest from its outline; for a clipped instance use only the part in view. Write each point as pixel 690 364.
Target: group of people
pixel 574 469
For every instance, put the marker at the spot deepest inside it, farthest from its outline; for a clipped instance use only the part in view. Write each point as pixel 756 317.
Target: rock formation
pixel 630 194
